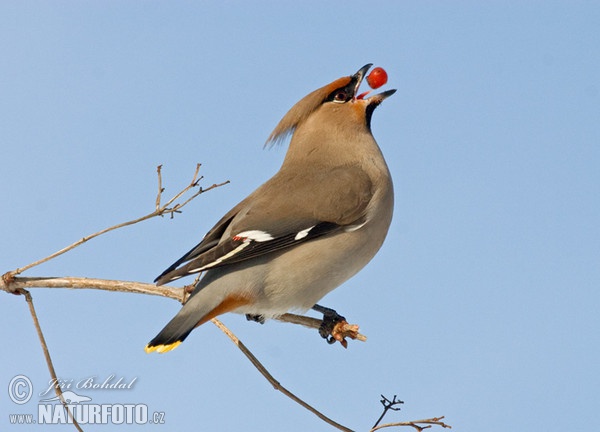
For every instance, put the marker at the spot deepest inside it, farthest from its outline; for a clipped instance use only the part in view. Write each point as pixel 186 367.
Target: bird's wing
pixel 287 210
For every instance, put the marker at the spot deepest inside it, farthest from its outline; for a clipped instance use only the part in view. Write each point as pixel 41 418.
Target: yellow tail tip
pixel 161 349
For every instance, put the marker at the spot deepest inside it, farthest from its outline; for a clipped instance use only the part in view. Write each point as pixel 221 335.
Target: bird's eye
pixel 340 96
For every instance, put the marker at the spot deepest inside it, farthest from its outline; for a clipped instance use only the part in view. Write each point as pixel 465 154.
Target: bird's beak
pixel 358 77
pixel 380 97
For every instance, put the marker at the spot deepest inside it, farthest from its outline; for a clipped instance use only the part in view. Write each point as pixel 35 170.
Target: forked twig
pixel 388 405
pixel 165 209
pixel 160 210
pixel 416 424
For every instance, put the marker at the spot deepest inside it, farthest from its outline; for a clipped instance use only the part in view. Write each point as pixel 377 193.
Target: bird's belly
pixel 295 280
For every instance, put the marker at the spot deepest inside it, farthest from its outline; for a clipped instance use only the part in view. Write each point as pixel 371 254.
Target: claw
pixel 256 318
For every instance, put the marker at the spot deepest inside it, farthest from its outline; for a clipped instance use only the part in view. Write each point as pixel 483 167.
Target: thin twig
pixel 160 188
pixel 416 424
pixel 159 211
pixel 276 384
pixel 347 330
pixel 38 328
pixel 388 405
pixel 177 207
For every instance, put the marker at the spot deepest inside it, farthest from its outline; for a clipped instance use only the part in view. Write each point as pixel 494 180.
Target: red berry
pixel 377 78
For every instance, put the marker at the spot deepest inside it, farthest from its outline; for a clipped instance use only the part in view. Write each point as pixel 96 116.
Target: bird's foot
pixel 256 318
pixel 334 327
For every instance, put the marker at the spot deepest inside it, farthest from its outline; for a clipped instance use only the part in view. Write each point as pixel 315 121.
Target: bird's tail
pixel 200 308
pixel 172 335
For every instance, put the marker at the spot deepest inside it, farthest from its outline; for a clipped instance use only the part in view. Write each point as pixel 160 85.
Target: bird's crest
pixel 304 108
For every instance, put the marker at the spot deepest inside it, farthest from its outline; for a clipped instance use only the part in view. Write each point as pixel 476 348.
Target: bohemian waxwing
pixel 304 232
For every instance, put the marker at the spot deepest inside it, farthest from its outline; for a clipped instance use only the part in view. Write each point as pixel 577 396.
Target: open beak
pixel 376 99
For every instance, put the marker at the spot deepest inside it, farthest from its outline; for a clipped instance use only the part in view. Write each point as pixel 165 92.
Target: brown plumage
pixel 313 225
pixel 302 109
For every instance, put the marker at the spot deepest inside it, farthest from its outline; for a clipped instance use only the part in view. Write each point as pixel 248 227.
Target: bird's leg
pixel 256 318
pixel 331 319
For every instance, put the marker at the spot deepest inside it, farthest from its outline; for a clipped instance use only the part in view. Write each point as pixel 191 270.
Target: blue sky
pixel 483 303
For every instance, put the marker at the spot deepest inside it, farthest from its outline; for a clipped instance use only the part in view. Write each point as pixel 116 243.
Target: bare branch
pixel 419 425
pixel 91 283
pixel 17 283
pixel 159 211
pixel 276 385
pixel 388 405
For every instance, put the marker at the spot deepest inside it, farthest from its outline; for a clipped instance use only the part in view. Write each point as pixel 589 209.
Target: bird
pixel 317 222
